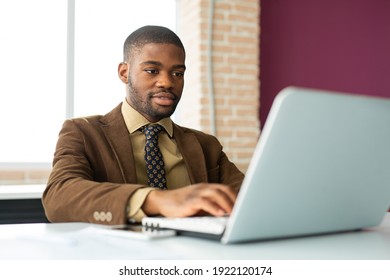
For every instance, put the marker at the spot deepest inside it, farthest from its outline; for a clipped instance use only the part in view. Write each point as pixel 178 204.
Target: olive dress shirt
pixel 175 169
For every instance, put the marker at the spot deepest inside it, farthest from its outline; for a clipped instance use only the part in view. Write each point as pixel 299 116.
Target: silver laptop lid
pixel 322 164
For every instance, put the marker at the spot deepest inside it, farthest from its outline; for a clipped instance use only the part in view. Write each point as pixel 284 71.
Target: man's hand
pixel 212 199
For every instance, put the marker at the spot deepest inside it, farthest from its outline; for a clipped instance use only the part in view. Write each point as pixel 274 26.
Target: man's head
pixel 153 71
pixel 149 34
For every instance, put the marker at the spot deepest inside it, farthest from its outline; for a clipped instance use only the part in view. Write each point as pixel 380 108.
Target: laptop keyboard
pixel 204 224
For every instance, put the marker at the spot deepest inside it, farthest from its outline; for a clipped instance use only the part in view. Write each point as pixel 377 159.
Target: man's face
pixel 154 78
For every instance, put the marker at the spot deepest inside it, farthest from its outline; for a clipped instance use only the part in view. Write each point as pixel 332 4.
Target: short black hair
pixel 150 34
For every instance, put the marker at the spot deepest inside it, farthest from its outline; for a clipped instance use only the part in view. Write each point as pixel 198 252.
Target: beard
pixel 143 103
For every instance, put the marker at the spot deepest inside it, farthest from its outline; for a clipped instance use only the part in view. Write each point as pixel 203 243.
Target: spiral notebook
pixel 322 165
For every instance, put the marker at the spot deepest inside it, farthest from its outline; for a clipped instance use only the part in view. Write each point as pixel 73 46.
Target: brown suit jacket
pixel 94 172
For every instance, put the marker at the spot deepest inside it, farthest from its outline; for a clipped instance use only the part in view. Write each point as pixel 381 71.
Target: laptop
pixel 321 165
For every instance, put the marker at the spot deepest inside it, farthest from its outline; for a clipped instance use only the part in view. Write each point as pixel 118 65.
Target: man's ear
pixel 123 72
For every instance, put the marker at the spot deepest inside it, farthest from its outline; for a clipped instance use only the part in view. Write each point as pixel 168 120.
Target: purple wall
pixel 341 45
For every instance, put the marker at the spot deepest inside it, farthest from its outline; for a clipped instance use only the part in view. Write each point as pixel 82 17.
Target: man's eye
pixel 151 71
pixel 178 74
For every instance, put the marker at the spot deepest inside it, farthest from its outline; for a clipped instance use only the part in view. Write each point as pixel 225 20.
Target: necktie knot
pixel 151 131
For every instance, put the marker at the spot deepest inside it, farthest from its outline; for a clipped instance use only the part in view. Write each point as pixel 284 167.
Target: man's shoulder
pixel 87 119
pixel 98 119
pixel 192 130
pixel 203 137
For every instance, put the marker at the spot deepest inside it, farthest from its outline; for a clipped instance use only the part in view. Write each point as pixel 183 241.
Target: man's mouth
pixel 164 98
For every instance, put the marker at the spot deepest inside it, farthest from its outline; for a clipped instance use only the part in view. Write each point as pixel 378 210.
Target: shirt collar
pixel 134 120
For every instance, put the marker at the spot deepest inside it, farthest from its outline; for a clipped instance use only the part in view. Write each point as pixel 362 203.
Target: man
pixel 99 170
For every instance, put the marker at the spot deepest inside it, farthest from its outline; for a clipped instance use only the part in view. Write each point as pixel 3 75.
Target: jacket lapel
pixel 115 131
pixel 192 154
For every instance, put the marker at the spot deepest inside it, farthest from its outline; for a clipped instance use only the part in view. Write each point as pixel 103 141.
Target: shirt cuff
pixel 135 213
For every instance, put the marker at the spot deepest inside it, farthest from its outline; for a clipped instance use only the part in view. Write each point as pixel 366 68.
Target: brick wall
pixel 234 72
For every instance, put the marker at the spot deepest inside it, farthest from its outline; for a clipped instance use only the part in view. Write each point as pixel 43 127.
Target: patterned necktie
pixel 153 157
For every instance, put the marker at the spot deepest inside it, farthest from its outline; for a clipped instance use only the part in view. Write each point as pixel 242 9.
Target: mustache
pixel 166 93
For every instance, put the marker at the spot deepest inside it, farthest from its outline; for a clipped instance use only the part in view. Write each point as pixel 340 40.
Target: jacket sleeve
pixel 229 173
pixel 219 168
pixel 74 192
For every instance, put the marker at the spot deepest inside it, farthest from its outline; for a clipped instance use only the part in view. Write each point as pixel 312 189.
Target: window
pixel 33 66
pixel 32 70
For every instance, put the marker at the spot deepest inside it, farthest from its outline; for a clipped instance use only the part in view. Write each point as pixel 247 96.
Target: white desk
pixel 75 241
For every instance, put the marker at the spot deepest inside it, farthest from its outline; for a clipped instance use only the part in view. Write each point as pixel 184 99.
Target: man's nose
pixel 165 80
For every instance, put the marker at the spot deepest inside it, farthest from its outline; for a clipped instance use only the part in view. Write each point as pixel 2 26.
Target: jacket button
pixel 102 216
pixel 108 216
pixel 96 216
